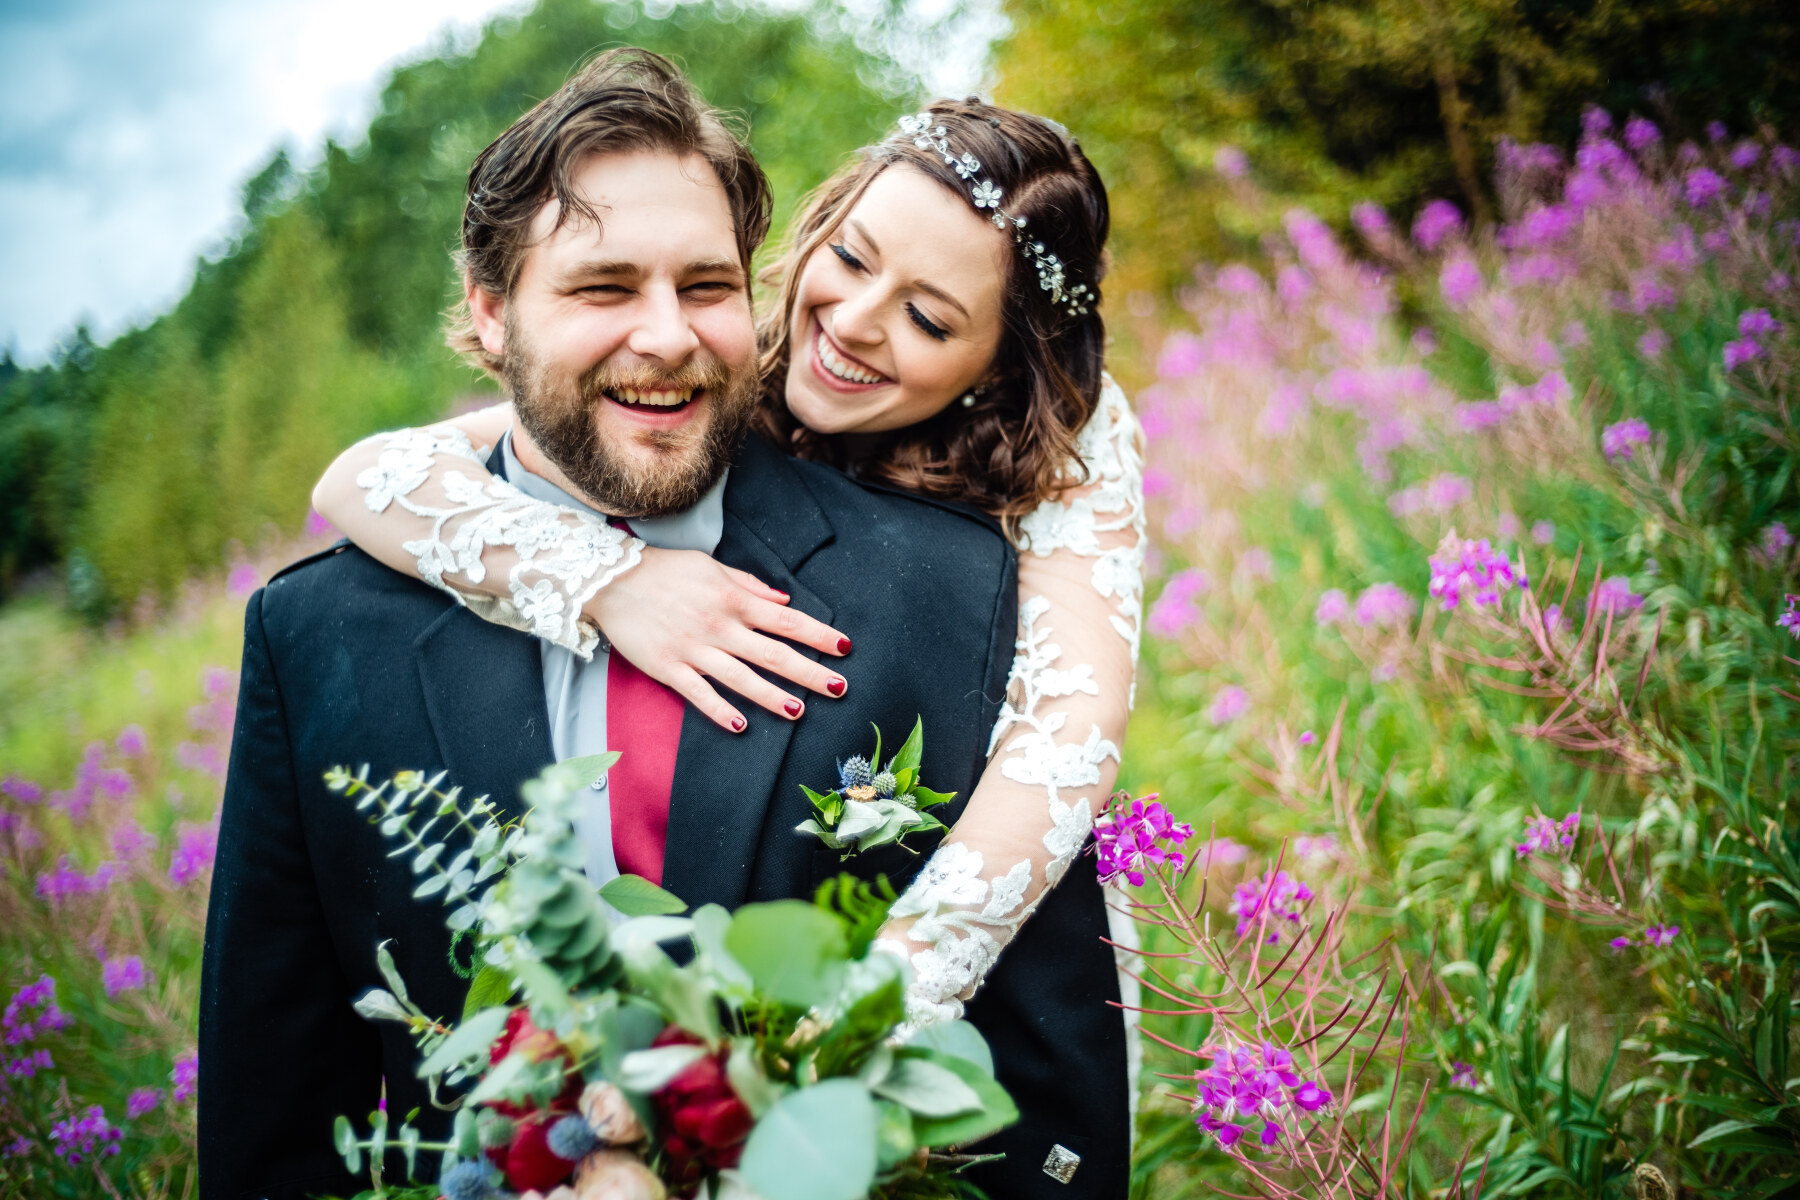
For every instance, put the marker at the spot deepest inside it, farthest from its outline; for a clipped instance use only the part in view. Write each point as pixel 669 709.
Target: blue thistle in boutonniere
pixel 873 804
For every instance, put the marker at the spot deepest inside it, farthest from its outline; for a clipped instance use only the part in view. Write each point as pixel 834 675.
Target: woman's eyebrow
pixel 930 289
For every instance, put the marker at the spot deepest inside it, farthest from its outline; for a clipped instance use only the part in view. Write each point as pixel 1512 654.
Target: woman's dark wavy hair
pixel 1009 451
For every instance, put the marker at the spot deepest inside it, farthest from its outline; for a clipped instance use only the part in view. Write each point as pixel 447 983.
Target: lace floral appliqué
pixel 963 917
pixel 563 556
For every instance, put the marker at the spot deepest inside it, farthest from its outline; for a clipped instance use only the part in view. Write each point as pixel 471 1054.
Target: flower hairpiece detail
pixel 927 135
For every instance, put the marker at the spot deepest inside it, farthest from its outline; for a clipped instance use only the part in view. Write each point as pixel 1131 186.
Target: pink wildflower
pixel 1622 438
pixel 1703 186
pixel 1370 220
pixel 1229 703
pixel 1383 606
pixel 1242 1086
pixel 1276 895
pixel 1182 355
pixel 1127 842
pixel 142 1101
pixel 1231 162
pixel 1175 610
pixel 1756 322
pixel 1745 155
pixel 77 1139
pixel 1776 541
pixel 1621 944
pixel 1545 836
pixel 317 525
pixel 1661 935
pixel 1614 595
pixel 1459 281
pixel 185 1076
pixel 21 789
pixel 1641 135
pixel 1653 344
pixel 243 580
pixel 1332 607
pixel 1473 568
pixel 1543 532
pixel 123 975
pixel 1790 620
pixel 194 852
pixel 1437 221
pixel 131 741
pixel 1462 1075
pixel 1741 351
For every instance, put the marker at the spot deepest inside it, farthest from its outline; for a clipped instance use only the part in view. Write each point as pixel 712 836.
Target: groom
pixel 607 239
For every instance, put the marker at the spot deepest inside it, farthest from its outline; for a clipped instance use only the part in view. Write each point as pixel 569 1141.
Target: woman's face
pixel 897 313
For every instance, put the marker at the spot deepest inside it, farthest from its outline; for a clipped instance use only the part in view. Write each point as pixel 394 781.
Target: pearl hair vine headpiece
pixel 928 135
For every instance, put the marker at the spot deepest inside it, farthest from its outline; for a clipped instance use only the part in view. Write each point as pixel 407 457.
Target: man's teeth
pixel 848 372
pixel 662 399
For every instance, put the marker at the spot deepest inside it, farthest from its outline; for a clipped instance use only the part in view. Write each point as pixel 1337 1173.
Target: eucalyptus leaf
pixel 927 1089
pixel 472 1037
pixel 818 1143
pixel 997 1109
pixel 650 1070
pixel 793 950
pixel 636 896
pixel 491 986
pixel 958 1039
pixel 758 1092
pixel 384 962
pixel 377 1004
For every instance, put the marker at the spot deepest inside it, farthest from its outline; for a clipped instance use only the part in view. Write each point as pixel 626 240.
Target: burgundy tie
pixel 643 723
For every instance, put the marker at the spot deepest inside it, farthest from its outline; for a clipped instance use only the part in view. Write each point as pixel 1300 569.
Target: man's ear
pixel 488 313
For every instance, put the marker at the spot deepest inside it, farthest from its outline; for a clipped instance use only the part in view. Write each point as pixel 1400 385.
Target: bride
pixel 918 350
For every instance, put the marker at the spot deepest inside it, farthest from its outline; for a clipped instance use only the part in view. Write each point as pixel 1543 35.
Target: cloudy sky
pixel 128 126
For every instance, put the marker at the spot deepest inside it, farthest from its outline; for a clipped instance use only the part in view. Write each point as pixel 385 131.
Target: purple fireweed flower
pixel 1661 935
pixel 141 1101
pixel 123 975
pixel 1229 703
pixel 1238 280
pixel 1370 220
pixel 130 842
pixel 1276 895
pixel 1307 737
pixel 1332 607
pixel 1293 285
pixel 77 1139
pixel 1507 524
pixel 1621 944
pixel 1231 162
pixel 1790 620
pixel 1175 610
pixel 1224 851
pixel 131 741
pixel 216 682
pixel 1465 567
pixel 19 1147
pixel 1459 281
pixel 1546 836
pixel 27 1066
pixel 1438 220
pixel 1653 344
pixel 1703 186
pixel 1776 541
pixel 1622 438
pixel 1745 155
pixel 1716 241
pixel 1640 134
pixel 184 1077
pixel 65 881
pixel 1462 1075
pixel 317 525
pixel 1128 841
pixel 1324 846
pixel 1182 355
pixel 21 789
pixel 1543 532
pixel 1756 322
pixel 1256 563
pixel 1716 131
pixel 194 853
pixel 1243 1086
pixel 1741 351
pixel 1424 343
pixel 243 580
pixel 1383 606
pixel 1614 595
pixel 1595 121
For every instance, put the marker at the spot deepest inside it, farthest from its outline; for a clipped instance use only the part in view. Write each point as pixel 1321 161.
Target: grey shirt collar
pixel 698 528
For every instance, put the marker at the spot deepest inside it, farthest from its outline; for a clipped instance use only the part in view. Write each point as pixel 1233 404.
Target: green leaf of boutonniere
pixel 636 896
pixel 874 805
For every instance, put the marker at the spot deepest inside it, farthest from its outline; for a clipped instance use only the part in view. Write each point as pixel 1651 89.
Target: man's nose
pixel 663 331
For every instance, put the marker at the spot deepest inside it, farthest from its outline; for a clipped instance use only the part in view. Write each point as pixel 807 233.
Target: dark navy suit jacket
pixel 347 662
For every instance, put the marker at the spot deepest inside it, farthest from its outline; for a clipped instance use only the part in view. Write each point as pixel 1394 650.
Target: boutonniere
pixel 874 805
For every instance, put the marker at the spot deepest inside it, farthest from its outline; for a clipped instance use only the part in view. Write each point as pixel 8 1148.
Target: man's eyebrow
pixel 605 268
pixel 930 289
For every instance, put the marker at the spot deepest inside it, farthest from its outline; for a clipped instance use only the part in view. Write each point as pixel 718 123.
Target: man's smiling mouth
pixel 661 400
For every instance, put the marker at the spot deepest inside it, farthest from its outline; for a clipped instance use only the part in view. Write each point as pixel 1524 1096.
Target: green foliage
pixel 1338 101
pixel 136 464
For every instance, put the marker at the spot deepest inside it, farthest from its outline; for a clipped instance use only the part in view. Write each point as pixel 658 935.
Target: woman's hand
pixel 680 617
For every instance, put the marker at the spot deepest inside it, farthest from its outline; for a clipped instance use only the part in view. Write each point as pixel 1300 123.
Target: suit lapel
pixel 484 693
pixel 725 781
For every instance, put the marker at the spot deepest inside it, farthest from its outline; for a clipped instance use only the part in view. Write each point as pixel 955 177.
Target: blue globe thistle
pixel 466 1181
pixel 884 785
pixel 853 772
pixel 571 1138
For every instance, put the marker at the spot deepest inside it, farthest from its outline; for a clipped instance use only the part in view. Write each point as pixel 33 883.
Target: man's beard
pixel 685 462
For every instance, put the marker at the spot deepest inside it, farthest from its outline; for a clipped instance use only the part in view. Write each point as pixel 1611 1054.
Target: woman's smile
pixel 837 369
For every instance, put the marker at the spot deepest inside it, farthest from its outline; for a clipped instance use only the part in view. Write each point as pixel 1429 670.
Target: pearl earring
pixel 968 400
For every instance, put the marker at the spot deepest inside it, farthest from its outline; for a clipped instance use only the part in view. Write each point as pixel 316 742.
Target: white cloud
pixel 131 125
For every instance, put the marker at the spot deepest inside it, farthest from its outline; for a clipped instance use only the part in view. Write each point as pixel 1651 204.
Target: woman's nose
pixel 855 320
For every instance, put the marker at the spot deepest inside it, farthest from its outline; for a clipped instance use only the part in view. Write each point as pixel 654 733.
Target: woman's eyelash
pixel 935 332
pixel 850 260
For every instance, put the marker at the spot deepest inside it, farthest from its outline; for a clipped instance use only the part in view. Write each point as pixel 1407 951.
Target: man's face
pixel 628 345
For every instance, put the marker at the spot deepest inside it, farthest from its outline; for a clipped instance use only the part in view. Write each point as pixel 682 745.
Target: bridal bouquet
pixel 593 1064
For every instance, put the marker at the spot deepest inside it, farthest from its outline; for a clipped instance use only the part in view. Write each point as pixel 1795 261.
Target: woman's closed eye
pixel 935 332
pixel 850 260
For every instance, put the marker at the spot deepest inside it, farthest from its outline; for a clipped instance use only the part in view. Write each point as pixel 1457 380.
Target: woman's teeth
pixel 848 372
pixel 662 399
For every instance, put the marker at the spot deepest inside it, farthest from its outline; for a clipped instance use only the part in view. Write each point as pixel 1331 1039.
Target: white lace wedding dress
pixel 423 500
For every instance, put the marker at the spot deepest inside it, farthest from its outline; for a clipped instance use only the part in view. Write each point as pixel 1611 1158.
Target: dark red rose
pixel 522 1035
pixel 703 1121
pixel 529 1161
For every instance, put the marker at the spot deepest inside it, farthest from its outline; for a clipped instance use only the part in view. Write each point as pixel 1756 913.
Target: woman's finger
pixel 756 587
pixel 691 686
pixel 779 658
pixel 747 683
pixel 795 626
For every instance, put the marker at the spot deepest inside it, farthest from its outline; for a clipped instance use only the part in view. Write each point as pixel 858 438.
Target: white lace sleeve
pixel 428 493
pixel 1055 749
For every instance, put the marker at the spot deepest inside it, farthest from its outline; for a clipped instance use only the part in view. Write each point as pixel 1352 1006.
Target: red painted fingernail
pixel 780 593
pixel 835 686
pixel 843 645
pixel 737 724
pixel 792 707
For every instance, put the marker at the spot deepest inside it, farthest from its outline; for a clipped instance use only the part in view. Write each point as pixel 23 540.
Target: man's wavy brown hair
pixel 1009 452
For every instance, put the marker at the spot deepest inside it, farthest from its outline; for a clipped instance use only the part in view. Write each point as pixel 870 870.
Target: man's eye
pixel 711 287
pixel 935 332
pixel 605 289
pixel 850 260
